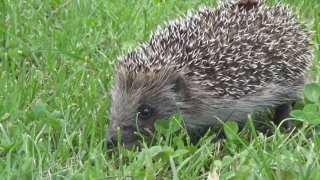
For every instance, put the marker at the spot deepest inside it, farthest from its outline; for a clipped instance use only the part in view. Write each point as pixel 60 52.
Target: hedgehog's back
pixel 230 51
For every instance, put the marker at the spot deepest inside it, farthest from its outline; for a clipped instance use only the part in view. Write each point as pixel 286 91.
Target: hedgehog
pixel 212 65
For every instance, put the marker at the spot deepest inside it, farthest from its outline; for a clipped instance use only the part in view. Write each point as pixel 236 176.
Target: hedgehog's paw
pixel 282 112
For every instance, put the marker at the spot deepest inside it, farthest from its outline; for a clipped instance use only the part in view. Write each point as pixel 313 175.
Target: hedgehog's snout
pixel 112 137
pixel 112 140
pixel 126 133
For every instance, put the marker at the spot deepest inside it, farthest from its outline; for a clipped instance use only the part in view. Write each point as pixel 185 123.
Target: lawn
pixel 55 78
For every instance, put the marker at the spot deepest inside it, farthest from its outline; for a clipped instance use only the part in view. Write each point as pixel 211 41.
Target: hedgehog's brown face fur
pixel 142 98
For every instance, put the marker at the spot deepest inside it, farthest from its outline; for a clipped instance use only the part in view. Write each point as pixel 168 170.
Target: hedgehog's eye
pixel 145 111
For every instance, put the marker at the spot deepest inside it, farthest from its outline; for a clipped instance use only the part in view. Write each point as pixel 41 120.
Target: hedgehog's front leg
pixel 282 112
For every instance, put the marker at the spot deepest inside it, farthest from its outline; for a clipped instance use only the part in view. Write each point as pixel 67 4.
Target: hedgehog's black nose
pixel 112 141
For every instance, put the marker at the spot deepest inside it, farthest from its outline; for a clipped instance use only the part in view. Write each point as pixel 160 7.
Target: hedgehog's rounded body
pixel 215 63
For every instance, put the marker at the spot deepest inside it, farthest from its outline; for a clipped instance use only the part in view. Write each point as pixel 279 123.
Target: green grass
pixel 55 77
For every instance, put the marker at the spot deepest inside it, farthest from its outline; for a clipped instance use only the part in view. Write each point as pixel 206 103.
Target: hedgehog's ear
pixel 179 87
